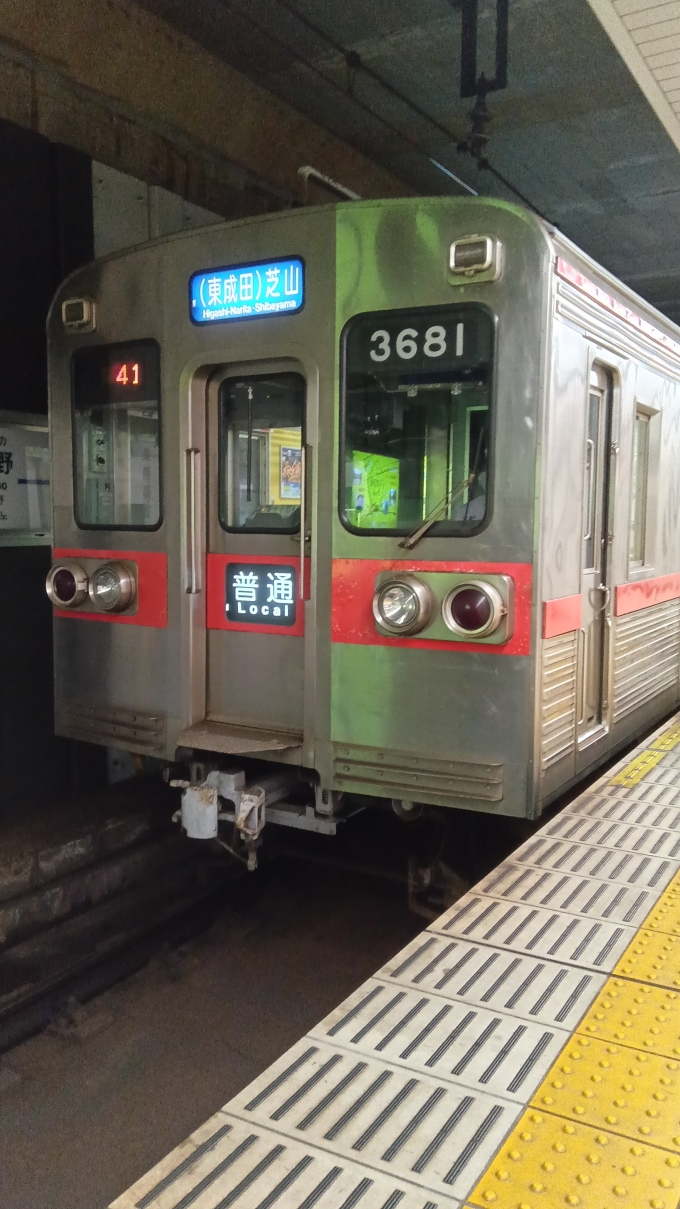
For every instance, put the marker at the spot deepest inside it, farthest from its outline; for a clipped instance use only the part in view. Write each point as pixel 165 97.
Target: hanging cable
pixel 356 64
pixel 348 95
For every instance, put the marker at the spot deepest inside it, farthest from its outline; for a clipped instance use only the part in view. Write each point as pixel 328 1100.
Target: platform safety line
pixel 638 768
pixel 580 1141
pixel 667 741
pixel 603 1129
pixel 667 733
pixel 523 1176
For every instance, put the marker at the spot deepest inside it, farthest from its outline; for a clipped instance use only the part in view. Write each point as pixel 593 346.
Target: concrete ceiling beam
pixel 113 80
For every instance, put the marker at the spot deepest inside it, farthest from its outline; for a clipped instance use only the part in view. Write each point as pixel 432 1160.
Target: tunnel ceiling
pixel 572 131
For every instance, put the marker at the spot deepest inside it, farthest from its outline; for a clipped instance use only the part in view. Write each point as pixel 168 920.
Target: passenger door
pixel 595 590
pixel 256 575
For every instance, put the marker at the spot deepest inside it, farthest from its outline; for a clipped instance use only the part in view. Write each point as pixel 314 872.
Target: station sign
pixel 247 291
pixel 261 593
pixel 25 500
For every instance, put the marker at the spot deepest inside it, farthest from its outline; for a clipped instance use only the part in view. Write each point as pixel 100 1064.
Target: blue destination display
pixel 261 593
pixel 247 291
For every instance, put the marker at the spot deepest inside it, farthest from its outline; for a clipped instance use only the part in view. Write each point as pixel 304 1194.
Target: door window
pixel 591 536
pixel 597 508
pixel 260 439
pixel 416 424
pixel 116 434
pixel 638 490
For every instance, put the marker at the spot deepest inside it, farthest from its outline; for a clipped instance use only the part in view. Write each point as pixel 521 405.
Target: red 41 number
pixel 128 374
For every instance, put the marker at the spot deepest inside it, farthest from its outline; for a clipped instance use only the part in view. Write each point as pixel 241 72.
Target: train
pixel 374 502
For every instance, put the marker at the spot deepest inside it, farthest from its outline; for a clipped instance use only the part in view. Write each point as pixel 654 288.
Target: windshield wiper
pixel 432 517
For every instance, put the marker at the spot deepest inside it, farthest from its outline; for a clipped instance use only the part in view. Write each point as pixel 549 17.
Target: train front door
pixel 595 590
pixel 257 577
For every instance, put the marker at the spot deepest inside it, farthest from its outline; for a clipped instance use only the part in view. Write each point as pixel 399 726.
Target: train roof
pixel 557 243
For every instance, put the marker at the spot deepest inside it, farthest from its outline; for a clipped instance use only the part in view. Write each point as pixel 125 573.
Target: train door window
pixel 116 436
pixel 639 486
pixel 261 428
pixel 593 501
pixel 595 572
pixel 416 420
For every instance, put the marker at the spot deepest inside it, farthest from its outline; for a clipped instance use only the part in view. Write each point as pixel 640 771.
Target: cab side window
pixel 116 436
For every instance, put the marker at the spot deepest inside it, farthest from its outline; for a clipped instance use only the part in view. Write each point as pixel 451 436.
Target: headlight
pixel 66 585
pixel 474 609
pixel 111 588
pixel 403 605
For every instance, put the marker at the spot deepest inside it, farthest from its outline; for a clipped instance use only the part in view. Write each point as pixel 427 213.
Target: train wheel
pixel 406 810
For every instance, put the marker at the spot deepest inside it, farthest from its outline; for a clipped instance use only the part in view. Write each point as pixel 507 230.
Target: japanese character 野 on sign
pixel 24 481
pixel 247 291
pixel 261 593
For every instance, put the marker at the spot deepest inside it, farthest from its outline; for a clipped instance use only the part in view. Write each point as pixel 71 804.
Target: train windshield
pixel 416 429
pixel 260 436
pixel 116 434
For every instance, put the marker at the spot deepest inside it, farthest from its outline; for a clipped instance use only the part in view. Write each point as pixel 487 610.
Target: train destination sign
pixel 261 593
pixel 247 291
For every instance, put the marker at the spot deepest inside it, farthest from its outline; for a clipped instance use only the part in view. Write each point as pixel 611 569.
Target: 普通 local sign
pixel 261 594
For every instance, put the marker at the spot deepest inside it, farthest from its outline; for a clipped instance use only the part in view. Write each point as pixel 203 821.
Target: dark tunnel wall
pixel 45 233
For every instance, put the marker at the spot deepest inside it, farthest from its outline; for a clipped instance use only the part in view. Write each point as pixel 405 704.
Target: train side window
pixel 638 489
pixel 416 420
pixel 116 436
pixel 261 431
pixel 644 461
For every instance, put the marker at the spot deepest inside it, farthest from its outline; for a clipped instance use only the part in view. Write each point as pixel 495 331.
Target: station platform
pixel 523 1052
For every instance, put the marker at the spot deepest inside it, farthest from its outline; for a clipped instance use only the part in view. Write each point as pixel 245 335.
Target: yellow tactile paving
pixel 652 957
pixel 617 1088
pixel 667 741
pixel 645 1017
pixel 665 916
pixel 638 768
pixel 547 1162
pixel 603 1129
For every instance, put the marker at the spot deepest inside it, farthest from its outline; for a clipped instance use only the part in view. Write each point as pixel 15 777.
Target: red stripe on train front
pixel 152 588
pixel 354 584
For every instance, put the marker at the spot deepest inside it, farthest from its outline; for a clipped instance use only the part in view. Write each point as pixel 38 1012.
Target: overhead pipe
pixel 326 182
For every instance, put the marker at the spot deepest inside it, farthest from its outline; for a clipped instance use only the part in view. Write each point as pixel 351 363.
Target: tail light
pixel 111 588
pixel 473 609
pixel 66 585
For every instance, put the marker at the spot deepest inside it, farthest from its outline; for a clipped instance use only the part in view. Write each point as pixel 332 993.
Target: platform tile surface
pixel 521 1053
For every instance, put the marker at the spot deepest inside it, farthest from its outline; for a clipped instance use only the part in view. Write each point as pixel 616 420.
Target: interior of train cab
pixel 417 425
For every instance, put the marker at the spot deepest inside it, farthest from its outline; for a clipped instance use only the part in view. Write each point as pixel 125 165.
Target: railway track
pixel 78 959
pixel 88 893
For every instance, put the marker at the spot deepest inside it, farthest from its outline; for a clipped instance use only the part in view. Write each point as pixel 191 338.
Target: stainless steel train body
pixel 409 522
